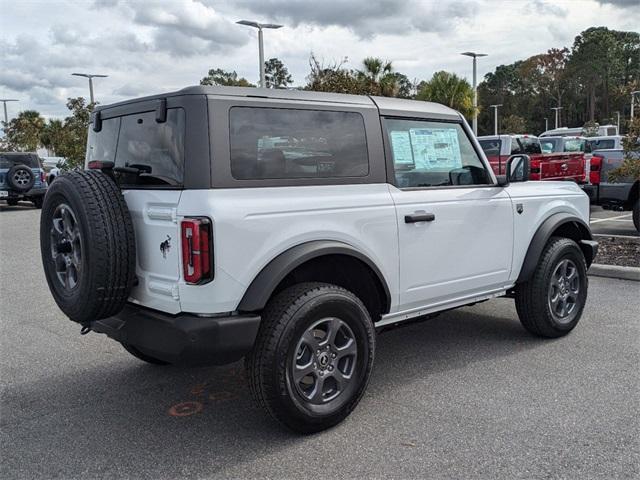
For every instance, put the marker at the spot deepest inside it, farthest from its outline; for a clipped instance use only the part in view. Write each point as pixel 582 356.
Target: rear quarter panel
pixel 251 226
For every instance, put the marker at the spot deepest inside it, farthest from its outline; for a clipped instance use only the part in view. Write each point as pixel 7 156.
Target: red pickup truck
pixel 544 166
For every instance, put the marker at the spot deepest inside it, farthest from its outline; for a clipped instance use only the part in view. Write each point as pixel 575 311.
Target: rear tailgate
pixel 154 215
pixel 558 166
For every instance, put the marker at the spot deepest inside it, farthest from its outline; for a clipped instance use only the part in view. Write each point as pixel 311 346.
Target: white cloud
pixel 153 46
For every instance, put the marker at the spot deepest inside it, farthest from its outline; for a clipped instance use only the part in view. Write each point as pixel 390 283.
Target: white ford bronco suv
pixel 287 227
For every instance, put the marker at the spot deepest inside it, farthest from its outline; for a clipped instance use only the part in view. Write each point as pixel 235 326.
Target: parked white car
pixel 286 227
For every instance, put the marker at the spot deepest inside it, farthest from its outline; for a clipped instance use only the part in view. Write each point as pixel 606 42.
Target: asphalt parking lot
pixel 609 222
pixel 466 395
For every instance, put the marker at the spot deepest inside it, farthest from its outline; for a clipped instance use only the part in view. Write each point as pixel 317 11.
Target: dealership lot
pixel 468 394
pixel 609 222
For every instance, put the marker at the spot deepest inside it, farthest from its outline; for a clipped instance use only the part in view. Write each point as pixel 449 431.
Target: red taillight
pixel 197 252
pixel 43 176
pixel 595 169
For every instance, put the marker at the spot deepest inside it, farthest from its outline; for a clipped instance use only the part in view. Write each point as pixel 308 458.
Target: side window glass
pixel 516 146
pixel 277 143
pixel 102 145
pixel 429 154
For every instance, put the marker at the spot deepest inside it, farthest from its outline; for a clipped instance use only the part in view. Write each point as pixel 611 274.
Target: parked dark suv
pixel 21 178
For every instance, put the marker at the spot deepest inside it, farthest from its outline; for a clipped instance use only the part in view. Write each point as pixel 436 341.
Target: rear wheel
pixel 636 215
pixel 550 304
pixel 313 356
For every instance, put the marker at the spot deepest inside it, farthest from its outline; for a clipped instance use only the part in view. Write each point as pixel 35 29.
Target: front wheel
pixel 313 356
pixel 550 304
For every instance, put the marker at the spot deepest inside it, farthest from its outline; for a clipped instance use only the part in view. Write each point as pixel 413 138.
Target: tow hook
pixel 85 329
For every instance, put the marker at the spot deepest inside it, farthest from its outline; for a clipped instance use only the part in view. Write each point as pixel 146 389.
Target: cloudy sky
pixel 153 46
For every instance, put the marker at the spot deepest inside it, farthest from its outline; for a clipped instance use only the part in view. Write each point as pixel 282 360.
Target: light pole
pixel 557 109
pixel 474 55
pixel 4 101
pixel 618 122
pixel 260 26
pixel 90 76
pixel 546 124
pixel 633 100
pixel 495 117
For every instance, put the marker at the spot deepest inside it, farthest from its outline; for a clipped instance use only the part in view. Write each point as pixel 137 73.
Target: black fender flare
pixel 259 291
pixel 583 237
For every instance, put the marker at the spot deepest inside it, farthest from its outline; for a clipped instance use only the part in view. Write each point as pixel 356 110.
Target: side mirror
pixel 518 168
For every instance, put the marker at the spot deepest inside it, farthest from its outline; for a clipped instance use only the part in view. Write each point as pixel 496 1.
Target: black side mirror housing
pixel 518 168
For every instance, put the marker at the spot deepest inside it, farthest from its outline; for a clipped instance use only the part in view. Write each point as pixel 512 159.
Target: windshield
pixel 8 160
pixel 144 151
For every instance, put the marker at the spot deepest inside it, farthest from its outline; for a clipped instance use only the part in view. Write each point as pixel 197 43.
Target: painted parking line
pixel 628 215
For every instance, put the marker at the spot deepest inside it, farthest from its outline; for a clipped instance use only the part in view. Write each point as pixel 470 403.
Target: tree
pixel 333 78
pixel 23 132
pixel 514 124
pixel 276 74
pixel 76 127
pixel 630 168
pixel 222 78
pixel 53 136
pixel 378 78
pixel 450 90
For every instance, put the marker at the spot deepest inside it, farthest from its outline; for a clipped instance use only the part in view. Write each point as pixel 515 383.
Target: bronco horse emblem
pixel 165 247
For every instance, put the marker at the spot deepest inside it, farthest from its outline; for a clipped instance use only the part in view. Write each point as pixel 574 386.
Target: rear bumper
pixel 34 192
pixel 182 339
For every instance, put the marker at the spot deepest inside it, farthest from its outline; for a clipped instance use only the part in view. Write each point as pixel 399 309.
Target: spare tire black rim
pixel 66 247
pixel 22 177
pixel 325 360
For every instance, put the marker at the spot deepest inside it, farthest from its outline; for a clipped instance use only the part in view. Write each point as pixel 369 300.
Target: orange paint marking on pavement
pixel 184 409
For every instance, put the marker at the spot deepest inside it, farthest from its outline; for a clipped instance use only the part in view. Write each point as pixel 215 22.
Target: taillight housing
pixel 43 176
pixel 197 250
pixel 595 169
pixel 534 170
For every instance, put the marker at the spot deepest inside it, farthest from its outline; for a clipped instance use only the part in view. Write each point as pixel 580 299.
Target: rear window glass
pixel 491 148
pixel 8 160
pixel 574 145
pixel 526 145
pixel 550 145
pixel 276 143
pixel 144 151
pixel 601 144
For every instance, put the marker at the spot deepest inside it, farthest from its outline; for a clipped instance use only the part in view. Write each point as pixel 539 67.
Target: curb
pixel 614 271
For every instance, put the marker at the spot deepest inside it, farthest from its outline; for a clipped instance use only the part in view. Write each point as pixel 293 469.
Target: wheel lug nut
pixel 333 355
pixel 321 373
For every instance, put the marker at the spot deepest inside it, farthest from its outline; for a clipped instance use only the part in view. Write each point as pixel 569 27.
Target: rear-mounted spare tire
pixel 87 244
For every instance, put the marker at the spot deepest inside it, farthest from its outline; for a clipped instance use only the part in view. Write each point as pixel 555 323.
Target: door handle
pixel 419 217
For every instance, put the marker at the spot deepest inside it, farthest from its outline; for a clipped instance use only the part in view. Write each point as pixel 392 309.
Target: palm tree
pixel 379 77
pixel 450 90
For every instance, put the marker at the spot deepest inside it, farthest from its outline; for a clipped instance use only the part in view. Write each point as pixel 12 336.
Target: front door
pixel 455 227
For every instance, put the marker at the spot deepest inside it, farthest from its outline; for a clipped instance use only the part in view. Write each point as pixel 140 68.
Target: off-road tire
pixel 636 215
pixel 143 356
pixel 38 201
pixel 27 174
pixel 106 268
pixel 285 318
pixel 532 297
